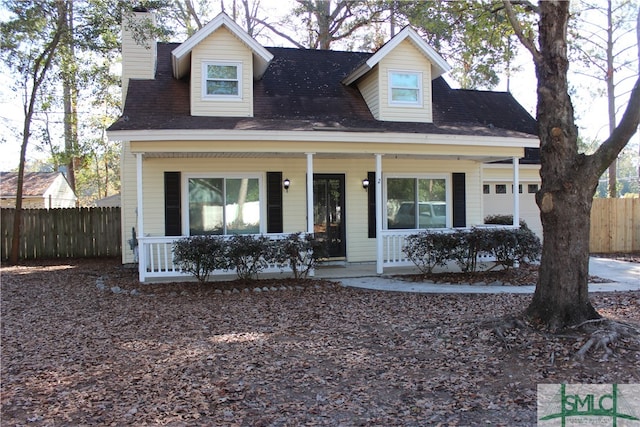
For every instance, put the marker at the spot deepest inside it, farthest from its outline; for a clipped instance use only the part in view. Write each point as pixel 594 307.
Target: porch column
pixel 379 207
pixel 516 192
pixel 309 192
pixel 142 258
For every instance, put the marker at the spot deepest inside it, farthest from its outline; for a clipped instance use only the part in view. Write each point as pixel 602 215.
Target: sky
pixel 591 113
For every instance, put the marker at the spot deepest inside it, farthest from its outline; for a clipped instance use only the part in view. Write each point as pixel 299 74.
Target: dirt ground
pixel 75 353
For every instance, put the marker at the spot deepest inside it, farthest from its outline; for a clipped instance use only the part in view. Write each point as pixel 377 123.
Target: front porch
pixel 337 187
pixel 156 263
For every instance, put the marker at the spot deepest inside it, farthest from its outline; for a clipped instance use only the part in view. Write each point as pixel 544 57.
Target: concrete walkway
pixel 623 276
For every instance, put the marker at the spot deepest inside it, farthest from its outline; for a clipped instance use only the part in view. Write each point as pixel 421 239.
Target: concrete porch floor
pixel 358 269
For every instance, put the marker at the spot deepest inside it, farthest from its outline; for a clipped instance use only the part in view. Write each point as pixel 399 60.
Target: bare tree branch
pixel 517 28
pixel 280 33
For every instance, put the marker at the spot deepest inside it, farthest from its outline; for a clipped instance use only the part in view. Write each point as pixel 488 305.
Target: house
pixel 112 201
pixel 40 190
pixel 222 135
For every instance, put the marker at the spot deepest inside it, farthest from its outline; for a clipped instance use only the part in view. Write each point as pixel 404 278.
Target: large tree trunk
pixel 562 295
pixel 569 179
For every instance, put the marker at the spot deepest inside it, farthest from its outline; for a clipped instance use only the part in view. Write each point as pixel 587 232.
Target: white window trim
pixel 208 97
pixel 251 175
pixel 418 103
pixel 447 196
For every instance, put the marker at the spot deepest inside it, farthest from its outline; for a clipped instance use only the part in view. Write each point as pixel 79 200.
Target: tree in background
pixel 476 37
pixel 569 178
pixel 603 45
pixel 29 43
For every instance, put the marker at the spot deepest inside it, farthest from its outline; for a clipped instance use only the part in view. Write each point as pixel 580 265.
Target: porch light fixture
pixel 365 184
pixel 285 184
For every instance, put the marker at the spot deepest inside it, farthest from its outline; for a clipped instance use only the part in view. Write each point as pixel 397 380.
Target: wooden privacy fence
pixel 64 233
pixel 615 226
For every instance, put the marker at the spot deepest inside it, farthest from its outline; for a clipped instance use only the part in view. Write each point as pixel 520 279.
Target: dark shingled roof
pixel 302 90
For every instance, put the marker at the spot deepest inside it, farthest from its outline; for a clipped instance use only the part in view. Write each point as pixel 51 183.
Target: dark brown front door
pixel 328 213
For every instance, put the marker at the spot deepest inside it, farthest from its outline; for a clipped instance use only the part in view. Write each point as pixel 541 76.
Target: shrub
pixel 467 245
pixel 529 247
pixel 249 255
pixel 300 253
pixel 503 220
pixel 428 249
pixel 200 255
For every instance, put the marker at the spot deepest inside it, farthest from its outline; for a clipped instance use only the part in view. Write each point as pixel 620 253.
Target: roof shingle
pixel 302 90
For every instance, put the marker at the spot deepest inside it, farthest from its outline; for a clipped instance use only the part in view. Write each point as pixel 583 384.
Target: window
pixel 220 205
pixel 222 80
pixel 501 189
pixel 429 194
pixel 532 188
pixel 486 189
pixel 519 188
pixel 405 88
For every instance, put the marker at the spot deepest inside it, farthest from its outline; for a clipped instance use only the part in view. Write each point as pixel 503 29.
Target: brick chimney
pixel 138 48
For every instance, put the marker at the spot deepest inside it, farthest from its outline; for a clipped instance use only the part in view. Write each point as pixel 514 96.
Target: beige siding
pixel 501 204
pixel 405 57
pixel 369 88
pixel 222 46
pixel 138 60
pixel 359 246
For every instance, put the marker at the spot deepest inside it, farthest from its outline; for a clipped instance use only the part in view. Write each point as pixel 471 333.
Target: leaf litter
pixel 311 353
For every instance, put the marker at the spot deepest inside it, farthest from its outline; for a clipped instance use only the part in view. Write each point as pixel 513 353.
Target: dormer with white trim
pixel 396 80
pixel 222 61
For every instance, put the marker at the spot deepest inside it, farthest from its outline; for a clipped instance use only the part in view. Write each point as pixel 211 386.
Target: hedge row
pixel 248 255
pixel 429 249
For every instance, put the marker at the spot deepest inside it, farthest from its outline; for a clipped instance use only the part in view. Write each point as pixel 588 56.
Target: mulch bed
pixel 314 354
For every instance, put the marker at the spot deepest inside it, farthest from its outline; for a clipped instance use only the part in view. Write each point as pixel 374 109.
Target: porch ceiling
pixel 283 155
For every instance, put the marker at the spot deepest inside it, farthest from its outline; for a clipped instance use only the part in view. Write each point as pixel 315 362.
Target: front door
pixel 328 213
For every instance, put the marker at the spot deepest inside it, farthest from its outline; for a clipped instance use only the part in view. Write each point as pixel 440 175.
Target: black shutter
pixel 459 200
pixel 274 202
pixel 172 213
pixel 371 204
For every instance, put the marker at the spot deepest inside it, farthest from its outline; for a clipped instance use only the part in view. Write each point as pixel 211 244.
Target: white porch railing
pixel 155 258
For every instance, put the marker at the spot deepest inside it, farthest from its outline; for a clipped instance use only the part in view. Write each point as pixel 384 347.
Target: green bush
pixel 200 255
pixel 429 249
pixel 503 220
pixel 250 255
pixel 298 252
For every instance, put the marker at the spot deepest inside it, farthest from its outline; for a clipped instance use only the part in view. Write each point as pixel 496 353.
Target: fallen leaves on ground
pixel 182 354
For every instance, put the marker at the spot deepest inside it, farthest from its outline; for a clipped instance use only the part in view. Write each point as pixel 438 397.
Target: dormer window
pixel 222 80
pixel 405 88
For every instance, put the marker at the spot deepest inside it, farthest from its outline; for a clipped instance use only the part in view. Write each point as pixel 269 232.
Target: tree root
pixel 596 335
pixel 606 337
pixel 501 327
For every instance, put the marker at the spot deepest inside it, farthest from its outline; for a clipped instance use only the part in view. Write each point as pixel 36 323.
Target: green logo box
pixel 616 405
